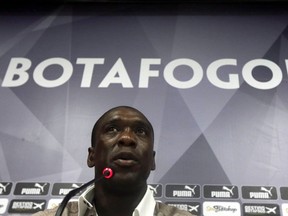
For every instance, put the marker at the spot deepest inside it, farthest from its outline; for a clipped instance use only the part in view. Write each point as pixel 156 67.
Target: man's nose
pixel 127 138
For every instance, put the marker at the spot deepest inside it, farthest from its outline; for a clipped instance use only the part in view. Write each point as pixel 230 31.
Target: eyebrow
pixel 135 122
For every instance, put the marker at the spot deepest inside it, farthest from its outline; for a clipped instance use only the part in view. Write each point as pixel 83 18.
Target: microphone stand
pixel 107 173
pixel 71 194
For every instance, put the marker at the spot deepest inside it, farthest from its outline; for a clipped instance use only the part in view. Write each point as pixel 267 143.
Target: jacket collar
pixel 145 207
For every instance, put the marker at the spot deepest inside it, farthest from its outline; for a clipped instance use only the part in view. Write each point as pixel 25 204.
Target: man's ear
pixel 90 158
pixel 153 167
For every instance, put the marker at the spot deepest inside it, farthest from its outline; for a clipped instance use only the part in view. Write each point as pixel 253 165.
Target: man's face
pixel 124 142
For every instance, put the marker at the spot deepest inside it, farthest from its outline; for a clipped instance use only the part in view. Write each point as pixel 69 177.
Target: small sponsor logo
pixel 3 205
pixel 285 209
pixel 182 191
pixel 217 191
pixel 251 209
pixel 31 188
pixel 62 189
pixel 259 192
pixel 221 209
pixel 5 188
pixel 53 203
pixel 22 206
pixel 284 193
pixel 193 207
pixel 157 189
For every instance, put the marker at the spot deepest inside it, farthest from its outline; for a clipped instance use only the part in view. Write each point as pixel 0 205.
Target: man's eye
pixel 141 131
pixel 112 129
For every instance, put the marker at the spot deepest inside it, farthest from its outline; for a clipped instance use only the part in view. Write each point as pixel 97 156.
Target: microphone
pixel 107 173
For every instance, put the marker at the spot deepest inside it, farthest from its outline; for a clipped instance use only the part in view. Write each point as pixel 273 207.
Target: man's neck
pixel 120 203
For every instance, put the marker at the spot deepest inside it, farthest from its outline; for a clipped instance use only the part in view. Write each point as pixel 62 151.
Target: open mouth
pixel 125 159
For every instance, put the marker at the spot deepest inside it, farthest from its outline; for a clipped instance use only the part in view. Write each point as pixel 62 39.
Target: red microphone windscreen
pixel 107 173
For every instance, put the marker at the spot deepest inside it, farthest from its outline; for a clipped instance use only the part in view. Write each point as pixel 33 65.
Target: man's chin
pixel 125 183
pixel 125 178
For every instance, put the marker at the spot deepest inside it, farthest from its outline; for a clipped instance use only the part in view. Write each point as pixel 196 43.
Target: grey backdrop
pixel 204 134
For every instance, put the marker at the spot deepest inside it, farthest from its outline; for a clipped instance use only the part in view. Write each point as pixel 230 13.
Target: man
pixel 123 140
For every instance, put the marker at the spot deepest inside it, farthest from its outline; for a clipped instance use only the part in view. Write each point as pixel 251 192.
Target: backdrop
pixel 213 84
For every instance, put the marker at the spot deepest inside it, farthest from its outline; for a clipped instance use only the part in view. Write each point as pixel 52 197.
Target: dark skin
pixel 122 140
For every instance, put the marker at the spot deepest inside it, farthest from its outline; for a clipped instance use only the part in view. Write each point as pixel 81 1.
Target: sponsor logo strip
pixel 221 209
pixel 285 209
pixel 193 207
pixel 23 206
pixel 3 205
pixel 157 189
pixel 31 188
pixel 62 189
pixel 251 209
pixel 5 188
pixel 259 192
pixel 284 193
pixel 221 191
pixel 182 191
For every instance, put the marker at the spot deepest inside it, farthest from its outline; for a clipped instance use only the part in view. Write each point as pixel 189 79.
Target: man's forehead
pixel 123 114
